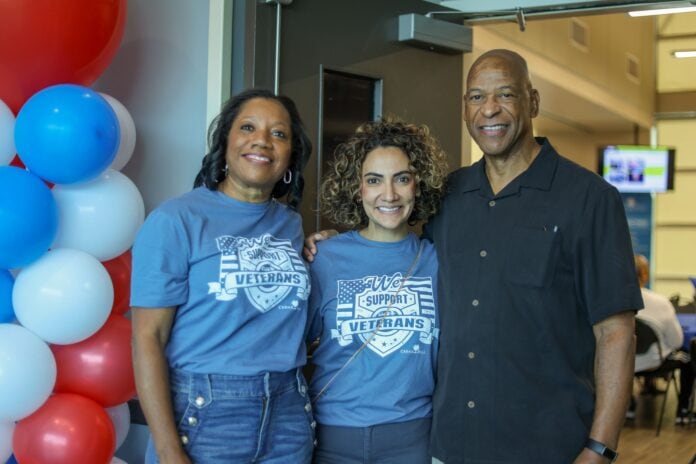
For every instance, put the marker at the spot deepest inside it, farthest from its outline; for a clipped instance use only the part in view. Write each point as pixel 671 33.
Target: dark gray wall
pixel 359 36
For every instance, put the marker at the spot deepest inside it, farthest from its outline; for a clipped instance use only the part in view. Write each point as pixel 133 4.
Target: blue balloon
pixel 12 460
pixel 28 217
pixel 67 133
pixel 6 310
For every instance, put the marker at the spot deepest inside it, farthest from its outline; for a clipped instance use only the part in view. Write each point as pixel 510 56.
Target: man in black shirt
pixel 537 292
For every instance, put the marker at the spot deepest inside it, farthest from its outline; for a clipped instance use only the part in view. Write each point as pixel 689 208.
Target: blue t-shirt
pixel 234 273
pixel 354 282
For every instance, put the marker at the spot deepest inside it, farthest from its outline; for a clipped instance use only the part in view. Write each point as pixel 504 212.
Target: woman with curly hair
pixel 373 305
pixel 219 296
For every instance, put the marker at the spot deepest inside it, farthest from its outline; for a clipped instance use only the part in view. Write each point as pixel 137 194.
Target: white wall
pixel 160 74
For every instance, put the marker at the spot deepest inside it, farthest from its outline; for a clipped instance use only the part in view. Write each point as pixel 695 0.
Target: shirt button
pixel 475 303
pixel 308 407
pixel 471 404
pixel 472 355
pixel 303 389
pixel 313 424
pixel 192 421
pixel 200 401
pixel 184 440
pixel 491 203
pixel 483 253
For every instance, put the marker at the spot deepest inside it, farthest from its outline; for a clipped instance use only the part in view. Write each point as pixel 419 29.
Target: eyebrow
pixel 255 119
pixel 502 87
pixel 405 171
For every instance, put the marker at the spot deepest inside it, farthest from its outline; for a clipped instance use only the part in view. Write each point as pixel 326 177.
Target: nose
pixel 490 106
pixel 390 193
pixel 262 139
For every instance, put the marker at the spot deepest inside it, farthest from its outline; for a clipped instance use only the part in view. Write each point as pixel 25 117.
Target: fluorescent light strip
pixel 661 11
pixel 684 54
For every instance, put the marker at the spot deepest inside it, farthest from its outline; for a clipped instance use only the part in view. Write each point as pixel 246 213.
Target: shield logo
pixel 386 340
pixel 261 258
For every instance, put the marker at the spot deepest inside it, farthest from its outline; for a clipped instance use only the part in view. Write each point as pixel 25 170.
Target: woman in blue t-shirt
pixel 219 296
pixel 373 307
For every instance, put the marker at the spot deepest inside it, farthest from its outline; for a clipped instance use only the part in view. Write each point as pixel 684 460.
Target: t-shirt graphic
pixel 267 269
pixel 375 305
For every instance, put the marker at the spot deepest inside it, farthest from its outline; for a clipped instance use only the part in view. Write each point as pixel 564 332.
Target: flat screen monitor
pixel 637 168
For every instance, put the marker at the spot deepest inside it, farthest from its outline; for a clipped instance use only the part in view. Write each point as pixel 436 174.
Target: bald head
pixel 642 269
pixel 514 61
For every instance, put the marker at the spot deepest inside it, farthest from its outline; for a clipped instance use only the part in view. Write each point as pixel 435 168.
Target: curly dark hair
pixel 213 166
pixel 340 190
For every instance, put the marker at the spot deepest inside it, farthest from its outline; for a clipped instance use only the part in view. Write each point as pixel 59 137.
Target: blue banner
pixel 638 208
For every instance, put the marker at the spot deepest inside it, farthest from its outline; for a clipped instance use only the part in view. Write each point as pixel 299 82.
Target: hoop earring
pixel 287 177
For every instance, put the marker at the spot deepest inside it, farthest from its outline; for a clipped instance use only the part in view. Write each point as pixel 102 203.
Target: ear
pixel 534 99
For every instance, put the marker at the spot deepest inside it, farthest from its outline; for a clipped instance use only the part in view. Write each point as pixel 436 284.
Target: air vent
pixel 579 35
pixel 632 68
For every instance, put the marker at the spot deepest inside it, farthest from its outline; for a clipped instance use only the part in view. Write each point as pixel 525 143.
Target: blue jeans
pixel 238 419
pixel 397 443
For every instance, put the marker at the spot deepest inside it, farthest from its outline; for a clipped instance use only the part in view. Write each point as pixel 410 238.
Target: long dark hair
pixel 213 166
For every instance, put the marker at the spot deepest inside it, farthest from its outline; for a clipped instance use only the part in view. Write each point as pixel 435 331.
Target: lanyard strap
pixel 379 325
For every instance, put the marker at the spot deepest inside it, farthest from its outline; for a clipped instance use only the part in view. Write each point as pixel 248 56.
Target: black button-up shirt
pixel 524 275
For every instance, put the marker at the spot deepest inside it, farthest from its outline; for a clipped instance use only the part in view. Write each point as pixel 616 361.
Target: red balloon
pixel 119 269
pixel 67 429
pixel 99 367
pixel 45 42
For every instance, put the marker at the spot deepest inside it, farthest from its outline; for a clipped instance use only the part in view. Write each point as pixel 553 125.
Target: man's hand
pixel 310 243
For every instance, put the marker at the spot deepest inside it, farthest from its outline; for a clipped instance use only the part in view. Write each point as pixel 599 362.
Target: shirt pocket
pixel 532 255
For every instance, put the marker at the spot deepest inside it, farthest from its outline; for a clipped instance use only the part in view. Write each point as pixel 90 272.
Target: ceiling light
pixel 661 11
pixel 684 53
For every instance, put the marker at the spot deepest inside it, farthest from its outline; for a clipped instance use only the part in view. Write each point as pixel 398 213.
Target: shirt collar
pixel 539 175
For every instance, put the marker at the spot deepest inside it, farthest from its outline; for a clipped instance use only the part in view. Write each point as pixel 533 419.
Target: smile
pixel 495 127
pixel 257 157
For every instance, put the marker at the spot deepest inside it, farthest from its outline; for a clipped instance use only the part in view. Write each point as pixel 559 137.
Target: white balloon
pixel 64 297
pixel 100 217
pixel 120 416
pixel 27 372
pixel 127 126
pixel 6 432
pixel 7 123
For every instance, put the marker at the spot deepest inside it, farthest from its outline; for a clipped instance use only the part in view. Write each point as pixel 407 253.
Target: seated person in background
pixel 661 316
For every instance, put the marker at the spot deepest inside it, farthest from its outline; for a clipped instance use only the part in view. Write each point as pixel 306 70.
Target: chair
pixel 645 338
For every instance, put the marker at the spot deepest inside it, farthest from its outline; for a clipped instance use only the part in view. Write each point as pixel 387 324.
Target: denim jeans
pixel 237 419
pixel 397 443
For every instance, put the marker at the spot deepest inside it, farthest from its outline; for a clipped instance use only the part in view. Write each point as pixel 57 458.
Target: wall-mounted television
pixel 637 168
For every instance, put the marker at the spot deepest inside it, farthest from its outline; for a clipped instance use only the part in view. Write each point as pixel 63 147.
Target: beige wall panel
pixel 679 205
pixel 683 288
pixel 581 147
pixel 680 134
pixel 604 60
pixel 635 38
pixel 675 253
pixel 677 24
pixel 676 75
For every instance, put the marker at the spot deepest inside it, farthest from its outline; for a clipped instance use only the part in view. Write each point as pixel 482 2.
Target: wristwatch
pixel 601 449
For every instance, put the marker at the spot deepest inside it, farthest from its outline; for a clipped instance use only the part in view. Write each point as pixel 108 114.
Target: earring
pixel 287 177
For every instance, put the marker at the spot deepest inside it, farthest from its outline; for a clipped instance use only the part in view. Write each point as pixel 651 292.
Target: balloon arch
pixel 68 218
